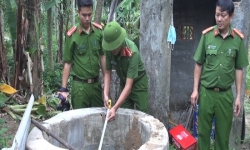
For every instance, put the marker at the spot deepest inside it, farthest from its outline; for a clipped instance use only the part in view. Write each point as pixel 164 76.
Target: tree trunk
pixel 19 47
pixel 98 12
pixel 34 43
pixel 60 34
pixel 73 10
pixel 1 16
pixel 56 22
pixel 66 14
pixel 113 6
pixel 3 63
pixel 156 54
pixel 49 34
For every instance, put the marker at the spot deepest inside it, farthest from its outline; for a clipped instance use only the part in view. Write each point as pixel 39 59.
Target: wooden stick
pixel 190 112
pixel 41 127
pixel 172 122
pixel 29 66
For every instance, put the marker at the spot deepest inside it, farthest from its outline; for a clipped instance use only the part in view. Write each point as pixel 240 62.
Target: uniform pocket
pixel 81 50
pixel 211 57
pixel 229 59
pixel 211 52
pixel 230 52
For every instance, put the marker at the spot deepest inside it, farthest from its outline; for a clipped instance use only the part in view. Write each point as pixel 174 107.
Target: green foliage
pixel 1 4
pixel 248 78
pixel 247 139
pixel 247 106
pixel 51 76
pixel 248 73
pixel 10 62
pixel 51 3
pixel 10 11
pixel 128 12
pixel 53 101
pixel 171 147
pixel 3 137
pixel 3 98
pixel 8 45
pixel 52 79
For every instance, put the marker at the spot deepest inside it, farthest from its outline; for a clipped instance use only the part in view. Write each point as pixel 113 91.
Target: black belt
pixel 93 80
pixel 217 89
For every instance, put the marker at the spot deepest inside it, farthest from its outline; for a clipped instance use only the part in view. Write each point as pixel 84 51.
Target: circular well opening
pixel 82 129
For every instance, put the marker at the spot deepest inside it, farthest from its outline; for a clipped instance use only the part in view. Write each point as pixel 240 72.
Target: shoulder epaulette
pixel 97 25
pixel 127 52
pixel 207 30
pixel 71 31
pixel 241 35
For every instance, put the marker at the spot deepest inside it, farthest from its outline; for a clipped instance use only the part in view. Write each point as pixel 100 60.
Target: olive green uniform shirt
pixel 125 66
pixel 220 57
pixel 83 51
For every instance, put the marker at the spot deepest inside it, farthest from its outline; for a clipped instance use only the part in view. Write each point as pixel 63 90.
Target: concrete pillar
pixel 156 54
pixel 241 21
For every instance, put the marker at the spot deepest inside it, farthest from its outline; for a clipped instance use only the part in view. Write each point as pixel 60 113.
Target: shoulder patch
pixel 127 52
pixel 71 31
pixel 207 30
pixel 97 25
pixel 241 35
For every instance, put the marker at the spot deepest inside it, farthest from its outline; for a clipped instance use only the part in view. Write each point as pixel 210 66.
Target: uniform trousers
pixel 139 95
pixel 218 105
pixel 84 95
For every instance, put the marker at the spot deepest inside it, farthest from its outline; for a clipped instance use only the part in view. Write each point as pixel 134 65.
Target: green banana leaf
pixel 11 9
pixel 41 110
pixel 3 98
pixel 53 102
pixel 51 3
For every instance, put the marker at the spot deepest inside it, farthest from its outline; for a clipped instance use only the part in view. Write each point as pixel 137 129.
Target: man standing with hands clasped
pixel 220 57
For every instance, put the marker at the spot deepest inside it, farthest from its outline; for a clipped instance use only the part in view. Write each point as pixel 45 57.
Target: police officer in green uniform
pixel 123 55
pixel 220 57
pixel 83 55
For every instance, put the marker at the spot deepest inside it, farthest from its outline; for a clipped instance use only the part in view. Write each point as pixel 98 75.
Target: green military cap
pixel 113 36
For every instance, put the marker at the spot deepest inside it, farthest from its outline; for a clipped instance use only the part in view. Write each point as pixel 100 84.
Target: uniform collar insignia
pixel 232 33
pixel 80 29
pixel 217 32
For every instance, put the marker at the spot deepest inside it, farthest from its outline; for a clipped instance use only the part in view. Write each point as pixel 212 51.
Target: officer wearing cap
pixel 220 59
pixel 83 56
pixel 124 56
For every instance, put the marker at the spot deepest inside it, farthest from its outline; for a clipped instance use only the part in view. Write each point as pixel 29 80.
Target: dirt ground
pixel 133 137
pixel 12 126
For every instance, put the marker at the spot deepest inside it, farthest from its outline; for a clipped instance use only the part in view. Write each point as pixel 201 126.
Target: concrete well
pixel 82 129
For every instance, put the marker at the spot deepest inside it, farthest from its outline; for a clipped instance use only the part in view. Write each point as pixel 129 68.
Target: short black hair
pixel 226 5
pixel 83 3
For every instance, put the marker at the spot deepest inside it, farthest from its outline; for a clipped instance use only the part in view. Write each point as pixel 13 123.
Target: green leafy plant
pixel 3 137
pixel 52 80
pixel 171 147
pixel 2 99
pixel 128 12
pixel 248 78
